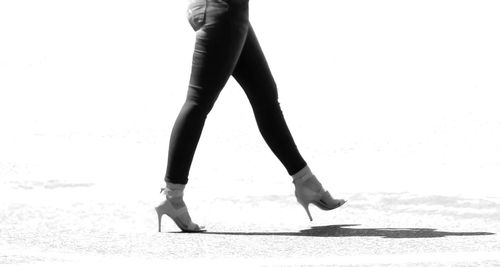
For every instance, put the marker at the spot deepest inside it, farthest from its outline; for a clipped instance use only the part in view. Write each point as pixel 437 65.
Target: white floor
pixel 380 97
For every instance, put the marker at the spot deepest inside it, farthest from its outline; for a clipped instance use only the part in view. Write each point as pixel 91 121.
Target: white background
pixel 379 95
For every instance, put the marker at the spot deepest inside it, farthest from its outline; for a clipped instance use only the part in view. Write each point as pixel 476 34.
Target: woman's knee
pixel 267 108
pixel 200 104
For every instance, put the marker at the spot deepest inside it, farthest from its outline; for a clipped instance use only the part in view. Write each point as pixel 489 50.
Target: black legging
pixel 226 45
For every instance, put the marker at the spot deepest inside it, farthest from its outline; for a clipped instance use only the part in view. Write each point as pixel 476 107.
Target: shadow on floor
pixel 346 230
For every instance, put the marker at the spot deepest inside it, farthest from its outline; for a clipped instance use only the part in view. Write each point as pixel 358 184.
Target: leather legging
pixel 226 45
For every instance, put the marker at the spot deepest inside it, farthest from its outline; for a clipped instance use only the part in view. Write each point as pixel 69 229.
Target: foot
pixel 173 205
pixel 181 215
pixel 308 190
pixel 312 184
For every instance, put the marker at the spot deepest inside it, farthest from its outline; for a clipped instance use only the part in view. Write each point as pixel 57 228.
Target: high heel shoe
pixel 178 214
pixel 320 198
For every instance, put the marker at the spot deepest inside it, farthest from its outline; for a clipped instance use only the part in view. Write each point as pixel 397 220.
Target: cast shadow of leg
pixel 347 230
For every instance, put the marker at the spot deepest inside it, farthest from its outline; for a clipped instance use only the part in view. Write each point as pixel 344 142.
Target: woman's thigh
pixel 252 72
pixel 221 29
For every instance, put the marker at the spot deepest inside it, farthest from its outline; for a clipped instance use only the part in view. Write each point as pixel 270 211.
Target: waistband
pixel 230 2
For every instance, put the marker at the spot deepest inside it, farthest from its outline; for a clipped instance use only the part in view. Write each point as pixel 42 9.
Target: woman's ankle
pixel 174 191
pixel 302 175
pixel 173 187
pixel 307 178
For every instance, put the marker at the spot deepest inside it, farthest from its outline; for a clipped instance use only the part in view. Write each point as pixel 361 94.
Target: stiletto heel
pixel 159 218
pixel 306 207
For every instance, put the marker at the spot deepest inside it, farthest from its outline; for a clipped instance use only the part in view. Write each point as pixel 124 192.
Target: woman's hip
pixel 202 13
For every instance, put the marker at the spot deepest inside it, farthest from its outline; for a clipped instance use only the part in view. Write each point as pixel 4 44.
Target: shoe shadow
pixel 346 230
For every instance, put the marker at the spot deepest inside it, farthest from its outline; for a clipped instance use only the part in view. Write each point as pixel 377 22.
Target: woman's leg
pixel 221 28
pixel 219 41
pixel 253 74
